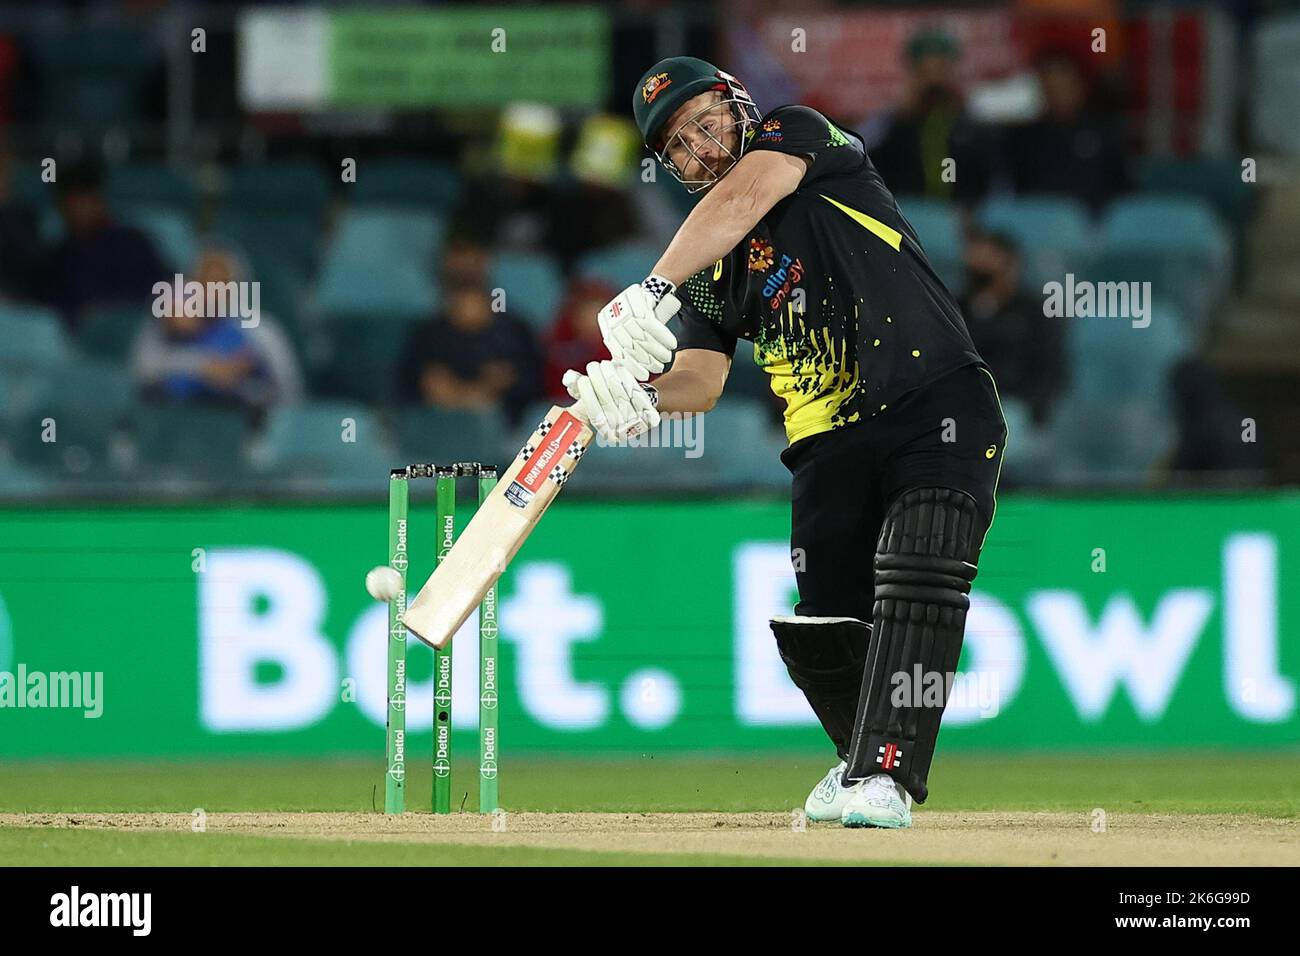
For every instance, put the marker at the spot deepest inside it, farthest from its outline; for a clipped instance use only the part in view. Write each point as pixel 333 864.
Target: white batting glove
pixel 611 400
pixel 634 326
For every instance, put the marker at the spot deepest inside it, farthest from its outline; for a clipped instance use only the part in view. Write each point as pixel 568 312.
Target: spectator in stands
pixel 19 240
pixel 1075 148
pixel 931 126
pixel 574 339
pixel 98 261
pixel 465 260
pixel 1024 347
pixel 216 358
pixel 472 357
pixel 1210 425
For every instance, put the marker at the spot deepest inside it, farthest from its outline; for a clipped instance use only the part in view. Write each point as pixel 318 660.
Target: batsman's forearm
pixel 714 227
pixel 683 390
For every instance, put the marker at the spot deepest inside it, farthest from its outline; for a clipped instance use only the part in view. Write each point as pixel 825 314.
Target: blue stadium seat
pixel 380 265
pixel 1109 359
pixel 271 240
pixel 19 481
pixel 533 286
pixel 107 332
pixel 1054 235
pixel 288 186
pixel 191 441
pixel 151 185
pixel 417 184
pixel 620 265
pixel 1178 245
pixel 739 434
pixel 1275 51
pixel 1029 459
pixel 303 445
pixel 938 226
pixel 171 231
pixel 1215 179
pixel 85 403
pixel 30 337
pixel 357 358
pixel 440 435
pixel 1109 442
pixel 396 292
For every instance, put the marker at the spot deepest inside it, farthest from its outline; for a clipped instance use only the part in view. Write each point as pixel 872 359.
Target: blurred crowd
pixel 466 285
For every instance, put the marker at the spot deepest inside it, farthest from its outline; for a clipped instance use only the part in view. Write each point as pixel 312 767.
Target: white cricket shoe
pixel 877 802
pixel 826 802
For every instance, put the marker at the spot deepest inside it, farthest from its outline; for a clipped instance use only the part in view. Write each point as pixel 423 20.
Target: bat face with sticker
pixel 499 527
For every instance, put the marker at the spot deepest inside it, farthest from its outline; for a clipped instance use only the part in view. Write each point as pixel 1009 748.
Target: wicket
pixel 399 560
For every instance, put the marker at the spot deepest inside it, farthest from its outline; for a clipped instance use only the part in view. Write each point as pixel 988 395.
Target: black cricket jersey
pixel 832 287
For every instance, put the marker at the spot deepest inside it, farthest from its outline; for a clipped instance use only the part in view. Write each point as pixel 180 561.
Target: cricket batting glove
pixel 612 401
pixel 634 326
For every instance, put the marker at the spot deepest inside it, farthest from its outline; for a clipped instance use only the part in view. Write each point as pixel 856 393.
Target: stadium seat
pixel 1177 244
pixel 439 435
pixel 85 403
pixel 620 265
pixel 938 226
pixel 171 231
pixel 380 265
pixel 303 445
pixel 1111 359
pixel 357 358
pixel 1029 460
pixel 107 332
pixel 533 286
pixel 1217 180
pixel 195 441
pixel 1054 235
pixel 738 434
pixel 1275 53
pixel 30 337
pixel 151 185
pixel 415 184
pixel 1109 442
pixel 299 187
pixel 19 481
pixel 395 292
pixel 272 240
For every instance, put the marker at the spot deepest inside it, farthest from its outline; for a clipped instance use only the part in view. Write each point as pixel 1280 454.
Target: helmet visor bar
pixel 738 121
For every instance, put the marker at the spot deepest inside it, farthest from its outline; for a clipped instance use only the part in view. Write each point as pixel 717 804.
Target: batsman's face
pixel 703 139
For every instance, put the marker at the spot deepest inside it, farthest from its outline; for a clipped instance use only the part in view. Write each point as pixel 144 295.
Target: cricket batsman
pixel 895 430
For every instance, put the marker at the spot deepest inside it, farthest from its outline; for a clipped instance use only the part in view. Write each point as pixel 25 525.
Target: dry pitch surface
pixel 1046 838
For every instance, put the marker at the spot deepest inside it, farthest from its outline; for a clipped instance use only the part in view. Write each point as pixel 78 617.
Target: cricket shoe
pixel 826 802
pixel 877 801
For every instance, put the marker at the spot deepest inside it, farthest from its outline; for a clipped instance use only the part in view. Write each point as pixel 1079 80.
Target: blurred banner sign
pixel 852 64
pixel 444 58
pixel 1135 622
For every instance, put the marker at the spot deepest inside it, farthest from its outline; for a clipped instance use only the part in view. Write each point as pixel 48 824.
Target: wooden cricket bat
pixel 499 527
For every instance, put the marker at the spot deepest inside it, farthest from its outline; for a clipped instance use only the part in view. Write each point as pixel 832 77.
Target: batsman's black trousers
pixel 948 434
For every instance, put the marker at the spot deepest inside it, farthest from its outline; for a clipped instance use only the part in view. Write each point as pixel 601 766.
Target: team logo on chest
pixel 784 278
pixel 761 255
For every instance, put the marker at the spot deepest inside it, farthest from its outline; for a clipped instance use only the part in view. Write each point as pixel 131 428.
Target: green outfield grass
pixel 1259 785
pixel 1267 785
